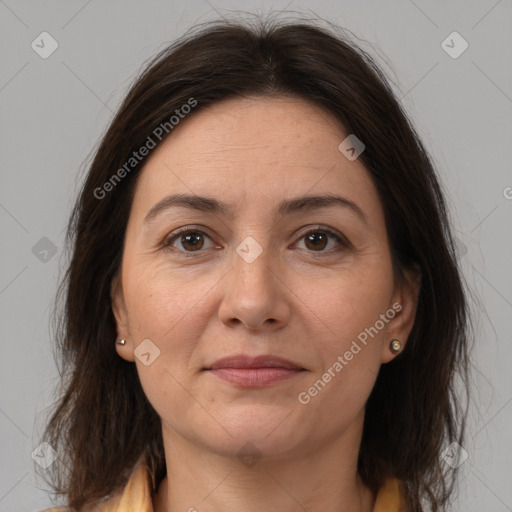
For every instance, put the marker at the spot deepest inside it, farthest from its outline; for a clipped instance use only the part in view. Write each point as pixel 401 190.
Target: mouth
pixel 254 372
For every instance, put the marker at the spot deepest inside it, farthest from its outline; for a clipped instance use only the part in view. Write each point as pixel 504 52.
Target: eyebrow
pixel 287 207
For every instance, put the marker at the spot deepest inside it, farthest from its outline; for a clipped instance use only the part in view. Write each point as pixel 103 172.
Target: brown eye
pixel 321 240
pixel 316 240
pixel 192 241
pixel 188 240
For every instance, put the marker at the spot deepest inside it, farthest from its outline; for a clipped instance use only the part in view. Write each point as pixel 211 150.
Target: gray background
pixel 54 110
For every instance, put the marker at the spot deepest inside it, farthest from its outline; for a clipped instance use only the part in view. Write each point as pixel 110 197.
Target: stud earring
pixel 121 342
pixel 395 345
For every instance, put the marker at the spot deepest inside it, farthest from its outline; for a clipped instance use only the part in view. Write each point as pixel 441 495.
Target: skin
pixel 300 301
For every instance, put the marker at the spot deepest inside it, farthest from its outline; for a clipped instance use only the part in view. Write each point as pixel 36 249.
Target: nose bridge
pixel 253 294
pixel 252 272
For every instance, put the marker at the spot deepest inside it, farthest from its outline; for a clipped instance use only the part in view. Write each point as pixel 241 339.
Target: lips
pixel 247 362
pixel 255 372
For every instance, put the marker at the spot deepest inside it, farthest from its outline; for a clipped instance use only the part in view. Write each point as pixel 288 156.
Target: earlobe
pixel 122 346
pixel 404 302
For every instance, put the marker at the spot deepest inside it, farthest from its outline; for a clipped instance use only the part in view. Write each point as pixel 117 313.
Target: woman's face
pixel 269 267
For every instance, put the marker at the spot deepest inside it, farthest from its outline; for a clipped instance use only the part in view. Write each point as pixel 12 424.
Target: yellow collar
pixel 136 495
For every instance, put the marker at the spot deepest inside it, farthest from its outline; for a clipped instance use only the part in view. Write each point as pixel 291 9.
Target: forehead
pixel 261 149
pixel 280 129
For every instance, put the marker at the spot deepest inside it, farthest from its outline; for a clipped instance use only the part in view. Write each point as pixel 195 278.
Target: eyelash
pixel 167 244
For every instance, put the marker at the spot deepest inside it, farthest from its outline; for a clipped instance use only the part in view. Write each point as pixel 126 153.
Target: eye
pixel 188 239
pixel 322 240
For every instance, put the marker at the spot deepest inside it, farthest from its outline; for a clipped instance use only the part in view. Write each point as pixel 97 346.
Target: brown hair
pixel 103 423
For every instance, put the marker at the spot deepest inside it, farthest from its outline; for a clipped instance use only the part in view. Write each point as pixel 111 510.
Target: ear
pixel 121 319
pixel 404 302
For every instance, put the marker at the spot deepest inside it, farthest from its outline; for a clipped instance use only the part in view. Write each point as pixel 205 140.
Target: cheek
pixel 161 301
pixel 165 308
pixel 349 303
pixel 349 350
pixel 172 309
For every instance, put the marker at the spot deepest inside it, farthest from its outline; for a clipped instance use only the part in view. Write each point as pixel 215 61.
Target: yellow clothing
pixel 136 496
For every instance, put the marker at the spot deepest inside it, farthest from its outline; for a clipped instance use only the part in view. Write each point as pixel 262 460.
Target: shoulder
pixel 391 497
pixel 110 504
pixel 87 509
pixel 136 495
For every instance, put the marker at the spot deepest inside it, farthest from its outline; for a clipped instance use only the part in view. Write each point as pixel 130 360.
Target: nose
pixel 255 296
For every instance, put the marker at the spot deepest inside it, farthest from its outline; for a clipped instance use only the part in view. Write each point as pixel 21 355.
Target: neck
pixel 323 478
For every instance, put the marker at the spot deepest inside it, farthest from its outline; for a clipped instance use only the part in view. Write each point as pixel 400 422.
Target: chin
pixel 265 429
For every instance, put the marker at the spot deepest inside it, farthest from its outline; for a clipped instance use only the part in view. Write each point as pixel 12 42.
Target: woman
pixel 263 307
